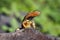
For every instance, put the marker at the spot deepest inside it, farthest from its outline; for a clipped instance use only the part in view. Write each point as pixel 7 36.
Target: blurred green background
pixel 13 11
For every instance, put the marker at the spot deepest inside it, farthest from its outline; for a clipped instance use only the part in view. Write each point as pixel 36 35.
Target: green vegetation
pixel 49 18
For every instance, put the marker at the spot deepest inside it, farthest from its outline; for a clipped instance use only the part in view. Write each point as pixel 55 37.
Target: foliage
pixel 49 18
